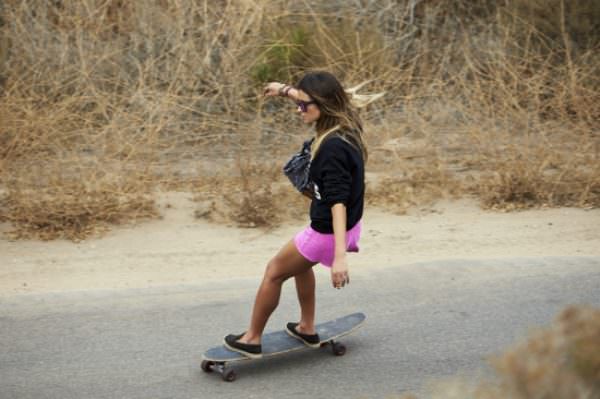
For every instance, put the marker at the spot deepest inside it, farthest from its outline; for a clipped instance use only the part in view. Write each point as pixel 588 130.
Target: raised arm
pixel 280 89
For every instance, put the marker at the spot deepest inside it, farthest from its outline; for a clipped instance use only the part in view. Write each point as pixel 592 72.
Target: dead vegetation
pixel 253 195
pixel 559 362
pixel 46 206
pixel 497 100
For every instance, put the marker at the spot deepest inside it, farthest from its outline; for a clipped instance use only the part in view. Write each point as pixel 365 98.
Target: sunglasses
pixel 304 104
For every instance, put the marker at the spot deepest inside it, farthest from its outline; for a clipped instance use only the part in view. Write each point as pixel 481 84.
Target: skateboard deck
pixel 279 342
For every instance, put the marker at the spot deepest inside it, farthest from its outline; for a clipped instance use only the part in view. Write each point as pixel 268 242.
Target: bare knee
pixel 274 273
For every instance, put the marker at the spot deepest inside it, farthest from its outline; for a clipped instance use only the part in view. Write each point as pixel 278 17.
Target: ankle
pixel 306 328
pixel 250 338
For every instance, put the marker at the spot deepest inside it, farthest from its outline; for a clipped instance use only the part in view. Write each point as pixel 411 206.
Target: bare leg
pixel 287 263
pixel 305 287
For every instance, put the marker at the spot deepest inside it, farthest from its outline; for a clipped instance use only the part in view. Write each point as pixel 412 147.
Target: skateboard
pixel 276 343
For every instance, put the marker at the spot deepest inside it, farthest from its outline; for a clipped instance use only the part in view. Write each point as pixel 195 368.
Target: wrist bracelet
pixel 283 92
pixel 281 89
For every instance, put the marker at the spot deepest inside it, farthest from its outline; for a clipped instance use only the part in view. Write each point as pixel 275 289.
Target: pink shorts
pixel 320 248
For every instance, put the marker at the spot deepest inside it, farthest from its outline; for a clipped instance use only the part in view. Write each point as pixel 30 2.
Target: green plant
pixel 281 57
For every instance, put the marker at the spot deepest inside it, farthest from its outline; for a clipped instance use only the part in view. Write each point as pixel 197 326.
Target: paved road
pixel 424 321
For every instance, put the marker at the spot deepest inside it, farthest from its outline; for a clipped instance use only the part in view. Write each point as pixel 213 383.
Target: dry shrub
pixel 255 195
pixel 159 87
pixel 73 208
pixel 421 186
pixel 253 203
pixel 523 183
pixel 548 167
pixel 568 22
pixel 560 362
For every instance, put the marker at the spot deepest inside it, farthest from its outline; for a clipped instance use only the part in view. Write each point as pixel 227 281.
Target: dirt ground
pixel 180 249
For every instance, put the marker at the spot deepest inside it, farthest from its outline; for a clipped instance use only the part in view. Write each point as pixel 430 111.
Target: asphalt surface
pixel 425 322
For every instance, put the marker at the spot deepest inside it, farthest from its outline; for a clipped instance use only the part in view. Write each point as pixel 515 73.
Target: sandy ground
pixel 179 249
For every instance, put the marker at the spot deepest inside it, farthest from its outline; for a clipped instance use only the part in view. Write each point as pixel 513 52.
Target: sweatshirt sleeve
pixel 335 173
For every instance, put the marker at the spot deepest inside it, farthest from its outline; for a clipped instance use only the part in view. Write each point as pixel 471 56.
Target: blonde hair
pixel 349 125
pixel 314 148
pixel 362 100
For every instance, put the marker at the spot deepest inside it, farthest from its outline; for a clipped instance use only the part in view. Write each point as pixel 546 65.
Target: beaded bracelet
pixel 284 91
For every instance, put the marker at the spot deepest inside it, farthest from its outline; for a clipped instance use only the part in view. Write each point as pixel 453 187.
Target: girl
pixel 337 190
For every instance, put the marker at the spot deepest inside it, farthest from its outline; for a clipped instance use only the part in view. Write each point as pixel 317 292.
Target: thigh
pixel 288 263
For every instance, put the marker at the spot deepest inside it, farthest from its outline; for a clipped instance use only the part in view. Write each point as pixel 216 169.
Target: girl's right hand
pixel 272 89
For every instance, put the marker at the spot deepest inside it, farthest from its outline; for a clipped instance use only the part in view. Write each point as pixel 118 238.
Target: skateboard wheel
pixel 229 376
pixel 207 366
pixel 338 349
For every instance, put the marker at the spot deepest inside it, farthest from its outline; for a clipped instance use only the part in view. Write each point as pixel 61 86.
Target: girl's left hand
pixel 339 272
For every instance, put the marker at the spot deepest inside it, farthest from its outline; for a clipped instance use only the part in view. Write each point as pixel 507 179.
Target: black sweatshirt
pixel 338 174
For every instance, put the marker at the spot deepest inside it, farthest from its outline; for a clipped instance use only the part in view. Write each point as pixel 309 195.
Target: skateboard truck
pixel 208 366
pixel 337 348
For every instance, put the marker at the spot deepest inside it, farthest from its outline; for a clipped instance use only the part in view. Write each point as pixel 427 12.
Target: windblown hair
pixel 338 108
